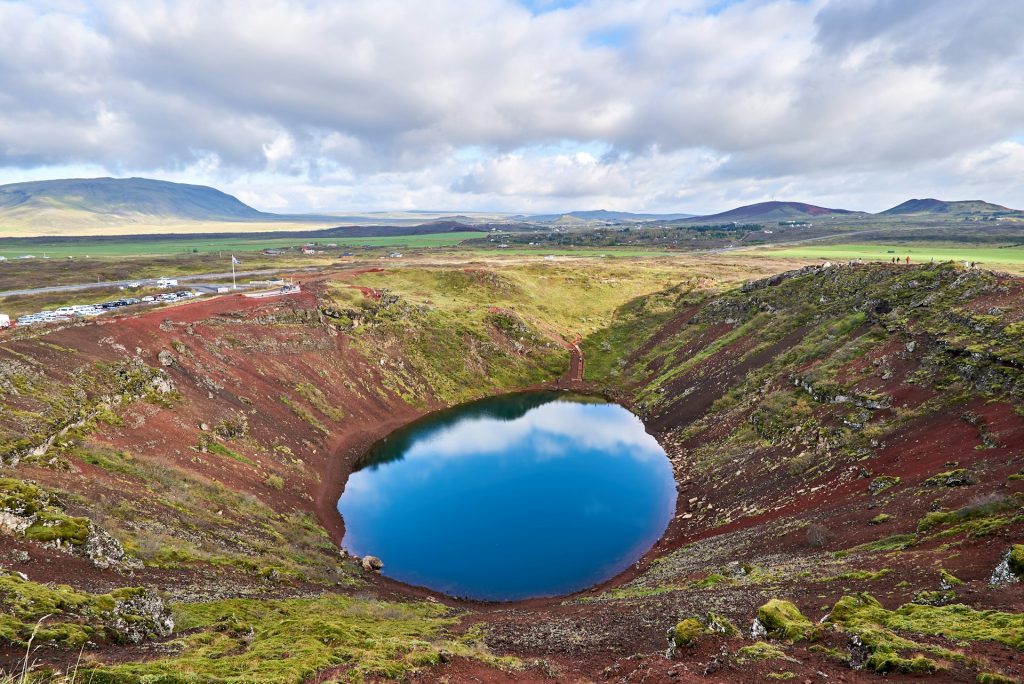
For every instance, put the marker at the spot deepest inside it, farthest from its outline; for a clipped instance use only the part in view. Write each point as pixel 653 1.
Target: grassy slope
pixel 940 345
pixel 1010 258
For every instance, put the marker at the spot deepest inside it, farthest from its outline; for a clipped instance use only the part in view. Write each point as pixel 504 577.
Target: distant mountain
pixel 81 204
pixel 770 211
pixel 106 200
pixel 934 206
pixel 600 215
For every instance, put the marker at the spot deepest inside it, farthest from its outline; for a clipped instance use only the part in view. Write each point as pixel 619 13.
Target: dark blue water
pixel 526 495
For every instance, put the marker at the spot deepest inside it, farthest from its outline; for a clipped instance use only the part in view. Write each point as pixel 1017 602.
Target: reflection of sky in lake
pixel 559 497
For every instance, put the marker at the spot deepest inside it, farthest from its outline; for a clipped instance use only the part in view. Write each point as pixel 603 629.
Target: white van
pixel 5 321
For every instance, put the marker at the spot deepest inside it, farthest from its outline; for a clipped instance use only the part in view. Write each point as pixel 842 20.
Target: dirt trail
pixel 574 374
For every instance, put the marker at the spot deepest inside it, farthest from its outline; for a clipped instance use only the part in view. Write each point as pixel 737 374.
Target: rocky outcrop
pixel 31 512
pixel 1010 568
pixel 106 552
pixel 139 615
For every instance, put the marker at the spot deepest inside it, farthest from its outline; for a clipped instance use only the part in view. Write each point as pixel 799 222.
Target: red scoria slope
pixel 833 431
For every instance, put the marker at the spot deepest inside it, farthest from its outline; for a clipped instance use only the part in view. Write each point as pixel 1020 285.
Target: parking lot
pixel 68 313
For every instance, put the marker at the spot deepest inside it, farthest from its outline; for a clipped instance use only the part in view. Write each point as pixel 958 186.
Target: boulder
pixel 783 620
pixel 104 551
pixel 686 633
pixel 372 564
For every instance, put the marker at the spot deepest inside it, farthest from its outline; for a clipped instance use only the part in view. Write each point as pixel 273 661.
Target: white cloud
pixel 644 105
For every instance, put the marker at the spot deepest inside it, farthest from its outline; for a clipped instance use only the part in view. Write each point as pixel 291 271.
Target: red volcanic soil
pixel 752 507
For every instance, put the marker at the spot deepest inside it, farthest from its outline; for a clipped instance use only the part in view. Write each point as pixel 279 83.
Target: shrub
pixel 817 536
pixel 274 482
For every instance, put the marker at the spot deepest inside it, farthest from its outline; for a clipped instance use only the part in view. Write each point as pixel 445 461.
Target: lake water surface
pixel 525 495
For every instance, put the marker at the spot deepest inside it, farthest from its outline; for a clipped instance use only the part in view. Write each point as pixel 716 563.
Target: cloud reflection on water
pixel 548 429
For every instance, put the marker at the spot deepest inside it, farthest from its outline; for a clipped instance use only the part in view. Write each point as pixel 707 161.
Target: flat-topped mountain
pixel 100 201
pixel 935 206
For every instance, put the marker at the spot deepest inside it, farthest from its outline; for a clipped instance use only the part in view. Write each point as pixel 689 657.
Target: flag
pixel 234 260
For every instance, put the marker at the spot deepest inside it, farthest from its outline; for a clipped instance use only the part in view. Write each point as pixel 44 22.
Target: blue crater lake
pixel 519 496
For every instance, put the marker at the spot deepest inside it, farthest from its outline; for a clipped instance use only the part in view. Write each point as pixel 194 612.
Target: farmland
pixel 97 247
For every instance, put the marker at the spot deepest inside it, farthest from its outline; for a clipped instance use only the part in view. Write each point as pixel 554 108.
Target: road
pixel 196 280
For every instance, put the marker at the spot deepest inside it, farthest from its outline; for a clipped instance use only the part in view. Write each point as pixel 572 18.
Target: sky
pixel 533 106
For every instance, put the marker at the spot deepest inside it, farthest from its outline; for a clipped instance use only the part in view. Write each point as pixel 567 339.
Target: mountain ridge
pixel 96 203
pixel 930 205
pixel 770 211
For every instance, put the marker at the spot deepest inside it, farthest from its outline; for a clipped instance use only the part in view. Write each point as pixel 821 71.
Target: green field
pixel 986 257
pixel 589 252
pixel 147 247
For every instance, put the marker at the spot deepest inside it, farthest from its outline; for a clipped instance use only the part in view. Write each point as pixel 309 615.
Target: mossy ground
pixel 56 615
pixel 291 640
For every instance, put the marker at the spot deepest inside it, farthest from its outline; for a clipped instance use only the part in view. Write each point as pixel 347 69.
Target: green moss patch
pixel 860 575
pixel 880 630
pixel 1016 560
pixel 54 526
pixel 687 632
pixel 46 522
pixel 21 498
pixel 976 519
pixel 761 650
pixel 995 678
pixel 243 640
pixel 66 617
pixel 882 483
pixel 961 477
pixel 896 542
pixel 783 620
